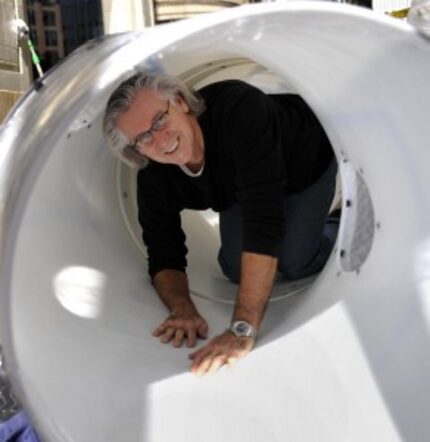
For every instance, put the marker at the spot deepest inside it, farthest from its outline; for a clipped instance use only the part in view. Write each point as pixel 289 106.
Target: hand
pixel 181 325
pixel 221 350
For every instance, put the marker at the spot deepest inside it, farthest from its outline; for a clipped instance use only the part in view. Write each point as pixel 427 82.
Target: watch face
pixel 242 328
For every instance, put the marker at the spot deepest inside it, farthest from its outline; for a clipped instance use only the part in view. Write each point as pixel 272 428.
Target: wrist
pixel 252 317
pixel 243 329
pixel 184 308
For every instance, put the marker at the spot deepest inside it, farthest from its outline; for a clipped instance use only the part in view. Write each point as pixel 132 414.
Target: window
pixel 51 38
pixel 31 17
pixel 49 18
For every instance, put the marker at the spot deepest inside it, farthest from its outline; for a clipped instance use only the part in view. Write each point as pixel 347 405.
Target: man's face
pixel 175 138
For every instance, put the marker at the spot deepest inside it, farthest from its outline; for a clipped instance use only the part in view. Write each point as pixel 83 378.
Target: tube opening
pixel 202 227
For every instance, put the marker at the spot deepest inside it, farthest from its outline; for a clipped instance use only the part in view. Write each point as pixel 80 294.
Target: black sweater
pixel 258 148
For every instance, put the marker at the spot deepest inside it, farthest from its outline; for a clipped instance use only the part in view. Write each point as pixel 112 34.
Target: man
pixel 263 162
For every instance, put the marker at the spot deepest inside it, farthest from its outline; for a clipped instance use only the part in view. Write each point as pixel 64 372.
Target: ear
pixel 182 104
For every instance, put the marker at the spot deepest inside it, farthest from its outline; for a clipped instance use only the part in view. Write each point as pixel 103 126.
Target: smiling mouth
pixel 172 148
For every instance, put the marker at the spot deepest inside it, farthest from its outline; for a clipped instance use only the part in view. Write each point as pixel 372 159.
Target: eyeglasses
pixel 147 138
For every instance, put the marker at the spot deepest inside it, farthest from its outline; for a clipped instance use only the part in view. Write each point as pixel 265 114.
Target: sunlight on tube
pixel 80 290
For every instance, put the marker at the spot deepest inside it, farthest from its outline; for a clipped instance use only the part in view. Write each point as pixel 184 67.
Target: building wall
pixel 14 67
pixel 132 15
pixel 45 22
pixel 126 15
pixel 168 10
pixel 60 26
pixel 82 20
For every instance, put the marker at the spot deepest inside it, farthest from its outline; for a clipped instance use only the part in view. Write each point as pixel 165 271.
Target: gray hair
pixel 121 100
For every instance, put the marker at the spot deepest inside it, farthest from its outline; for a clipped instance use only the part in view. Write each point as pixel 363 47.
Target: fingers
pixel 208 359
pixel 179 330
pixel 168 335
pixel 179 337
pixel 202 330
pixel 221 350
pixel 191 337
pixel 216 363
pixel 159 330
pixel 208 362
pixel 231 362
pixel 202 360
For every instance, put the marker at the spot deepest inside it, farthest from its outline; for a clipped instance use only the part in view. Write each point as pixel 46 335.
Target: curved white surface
pixel 346 360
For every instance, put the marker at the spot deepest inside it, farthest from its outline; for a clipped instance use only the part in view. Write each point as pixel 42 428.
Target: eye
pixel 161 122
pixel 145 139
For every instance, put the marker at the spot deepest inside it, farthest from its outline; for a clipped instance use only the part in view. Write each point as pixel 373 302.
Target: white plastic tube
pixel 346 360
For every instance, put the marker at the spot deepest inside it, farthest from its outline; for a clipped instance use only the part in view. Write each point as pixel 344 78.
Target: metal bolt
pixel 38 84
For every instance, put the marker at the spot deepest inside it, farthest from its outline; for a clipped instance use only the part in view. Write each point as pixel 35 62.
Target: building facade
pixel 82 20
pixel 14 66
pixel 45 22
pixel 60 26
pixel 128 15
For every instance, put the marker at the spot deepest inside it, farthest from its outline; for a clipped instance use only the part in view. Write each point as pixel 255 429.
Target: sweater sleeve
pixel 161 226
pixel 260 171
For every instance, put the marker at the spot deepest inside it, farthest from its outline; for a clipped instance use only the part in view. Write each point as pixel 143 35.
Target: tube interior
pixel 202 227
pixel 81 310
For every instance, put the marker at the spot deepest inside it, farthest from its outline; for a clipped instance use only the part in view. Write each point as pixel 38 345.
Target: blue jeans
pixel 309 233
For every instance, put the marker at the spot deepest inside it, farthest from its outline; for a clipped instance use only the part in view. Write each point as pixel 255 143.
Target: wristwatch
pixel 243 328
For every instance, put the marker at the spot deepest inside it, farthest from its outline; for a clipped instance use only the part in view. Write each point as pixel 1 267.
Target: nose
pixel 163 138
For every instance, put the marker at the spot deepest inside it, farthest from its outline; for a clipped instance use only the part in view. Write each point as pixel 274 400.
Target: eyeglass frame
pixel 151 130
